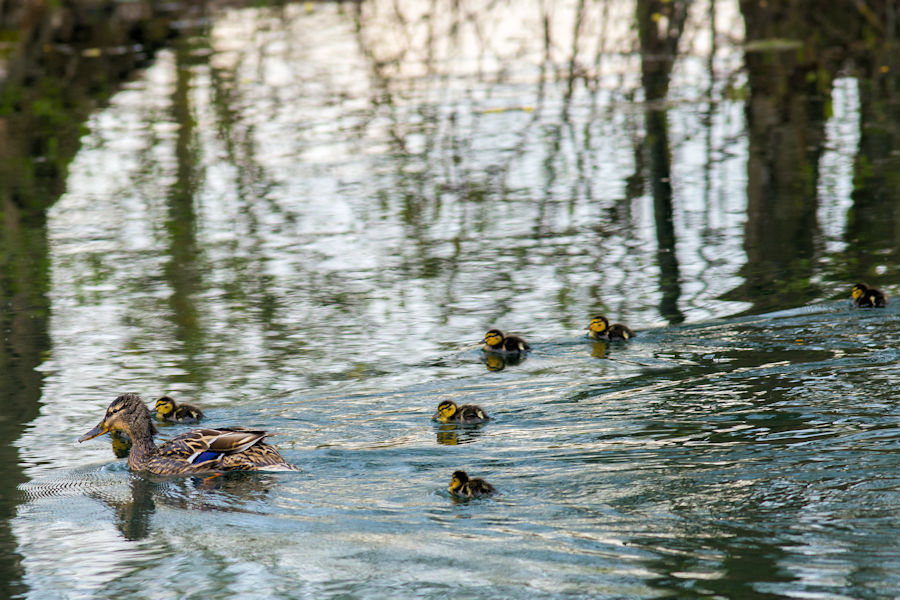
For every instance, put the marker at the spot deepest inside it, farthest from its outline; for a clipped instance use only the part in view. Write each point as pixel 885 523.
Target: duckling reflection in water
pixel 449 412
pixel 495 341
pixel 168 410
pixel 598 348
pixel 451 434
pixel 600 329
pixel 865 297
pixel 121 444
pixel 463 487
pixel 498 362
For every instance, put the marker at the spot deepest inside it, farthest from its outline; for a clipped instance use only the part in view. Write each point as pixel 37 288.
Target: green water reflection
pixel 257 206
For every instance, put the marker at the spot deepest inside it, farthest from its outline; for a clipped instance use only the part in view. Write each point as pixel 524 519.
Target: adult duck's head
pixel 128 414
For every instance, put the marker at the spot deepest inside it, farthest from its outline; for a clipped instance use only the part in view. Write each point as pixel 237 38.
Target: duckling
pixel 168 410
pixel 496 341
pixel 865 297
pixel 617 331
pixel 599 328
pixel 463 487
pixel 449 412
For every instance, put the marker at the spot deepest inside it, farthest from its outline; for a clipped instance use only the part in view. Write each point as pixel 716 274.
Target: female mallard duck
pixel 197 451
pixel 168 410
pixel 449 412
pixel 462 486
pixel 600 329
pixel 865 297
pixel 496 341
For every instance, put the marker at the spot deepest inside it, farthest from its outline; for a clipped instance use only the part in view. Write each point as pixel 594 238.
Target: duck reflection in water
pixel 226 493
pixel 133 518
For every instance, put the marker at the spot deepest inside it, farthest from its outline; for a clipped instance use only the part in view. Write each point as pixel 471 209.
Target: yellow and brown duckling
pixel 197 451
pixel 865 297
pixel 168 410
pixel 511 345
pixel 600 329
pixel 449 412
pixel 463 487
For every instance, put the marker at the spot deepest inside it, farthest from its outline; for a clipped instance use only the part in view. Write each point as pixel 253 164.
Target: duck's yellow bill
pixel 99 430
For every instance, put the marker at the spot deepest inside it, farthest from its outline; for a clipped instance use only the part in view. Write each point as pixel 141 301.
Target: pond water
pixel 304 218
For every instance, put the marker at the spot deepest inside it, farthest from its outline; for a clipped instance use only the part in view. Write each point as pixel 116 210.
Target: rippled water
pixel 278 223
pixel 741 457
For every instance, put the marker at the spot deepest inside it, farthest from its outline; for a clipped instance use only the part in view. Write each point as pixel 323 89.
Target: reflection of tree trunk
pixel 183 271
pixel 661 188
pixel 790 82
pixel 660 24
pixel 873 224
pixel 23 325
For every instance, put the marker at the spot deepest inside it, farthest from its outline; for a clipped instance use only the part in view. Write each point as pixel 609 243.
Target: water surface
pixel 303 218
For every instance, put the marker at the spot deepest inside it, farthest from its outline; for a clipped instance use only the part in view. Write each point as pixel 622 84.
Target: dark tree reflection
pixel 660 25
pixel 873 224
pixel 794 53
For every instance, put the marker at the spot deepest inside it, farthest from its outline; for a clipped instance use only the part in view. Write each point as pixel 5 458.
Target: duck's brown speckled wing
pixel 227 440
pixel 259 456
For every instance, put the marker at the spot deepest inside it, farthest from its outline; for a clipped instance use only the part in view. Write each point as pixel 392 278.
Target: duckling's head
pixel 494 337
pixel 457 480
pixel 445 411
pixel 165 406
pixel 126 413
pixel 599 325
pixel 858 291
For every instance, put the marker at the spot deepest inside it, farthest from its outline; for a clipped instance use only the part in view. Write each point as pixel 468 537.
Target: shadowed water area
pixel 304 217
